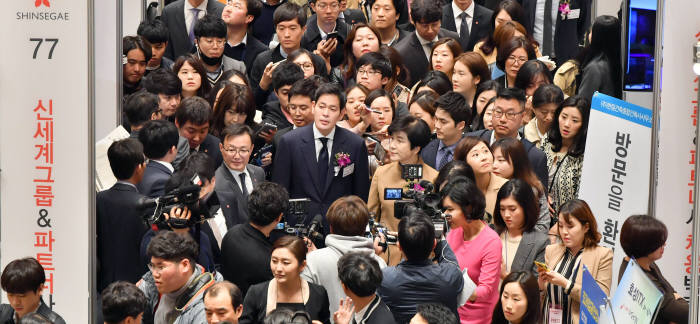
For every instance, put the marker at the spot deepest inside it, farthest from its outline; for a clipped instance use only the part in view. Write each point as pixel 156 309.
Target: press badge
pixel 348 170
pixel 556 314
pixel 574 14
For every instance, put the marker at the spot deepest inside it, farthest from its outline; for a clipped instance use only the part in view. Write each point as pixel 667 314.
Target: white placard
pixel 46 175
pixel 615 176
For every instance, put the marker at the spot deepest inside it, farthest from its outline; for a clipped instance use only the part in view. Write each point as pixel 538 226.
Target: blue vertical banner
pixel 592 298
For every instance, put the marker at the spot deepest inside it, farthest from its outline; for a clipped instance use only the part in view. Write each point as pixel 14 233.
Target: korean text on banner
pixel 636 298
pixel 592 298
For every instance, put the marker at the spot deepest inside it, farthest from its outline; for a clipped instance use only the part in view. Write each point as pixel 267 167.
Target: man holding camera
pixel 246 248
pixel 348 217
pixel 418 280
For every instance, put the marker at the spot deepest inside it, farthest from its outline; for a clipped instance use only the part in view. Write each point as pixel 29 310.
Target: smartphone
pixel 371 138
pixel 397 91
pixel 257 158
pixel 541 266
pixel 266 127
pixel 371 110
pixel 333 34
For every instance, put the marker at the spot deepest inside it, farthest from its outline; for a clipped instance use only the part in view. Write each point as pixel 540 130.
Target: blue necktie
pixel 195 17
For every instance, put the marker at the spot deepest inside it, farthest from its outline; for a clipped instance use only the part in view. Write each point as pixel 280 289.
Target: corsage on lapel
pixel 564 9
pixel 343 161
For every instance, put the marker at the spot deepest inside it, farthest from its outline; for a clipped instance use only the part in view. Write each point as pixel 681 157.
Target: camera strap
pixel 197 287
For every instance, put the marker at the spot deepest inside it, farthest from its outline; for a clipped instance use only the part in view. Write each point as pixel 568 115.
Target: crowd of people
pixel 329 161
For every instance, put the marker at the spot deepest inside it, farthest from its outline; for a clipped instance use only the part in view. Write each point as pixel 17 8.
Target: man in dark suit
pixel 322 23
pixel 192 120
pixel 452 114
pixel 507 119
pixel 385 17
pixel 416 49
pixel 181 17
pixel 241 45
pixel 360 277
pixel 558 35
pixel 300 108
pixel 235 177
pixel 159 139
pixel 321 161
pixel 469 19
pixel 119 221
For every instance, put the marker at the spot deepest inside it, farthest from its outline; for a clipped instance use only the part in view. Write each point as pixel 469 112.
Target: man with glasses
pixel 241 45
pixel 175 285
pixel 320 25
pixel 507 121
pixel 236 178
pixel 210 38
pixel 426 16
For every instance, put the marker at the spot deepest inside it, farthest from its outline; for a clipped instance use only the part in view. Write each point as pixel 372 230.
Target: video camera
pixel 300 209
pixel 374 229
pixel 186 196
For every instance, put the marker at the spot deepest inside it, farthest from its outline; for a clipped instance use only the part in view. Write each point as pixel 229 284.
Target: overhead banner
pixel 636 298
pixel 678 116
pixel 615 176
pixel 44 147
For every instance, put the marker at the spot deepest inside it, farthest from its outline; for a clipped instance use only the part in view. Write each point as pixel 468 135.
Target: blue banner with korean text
pixel 592 298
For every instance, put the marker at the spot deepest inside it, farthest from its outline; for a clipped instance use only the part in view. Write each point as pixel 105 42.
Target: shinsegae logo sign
pixel 38 3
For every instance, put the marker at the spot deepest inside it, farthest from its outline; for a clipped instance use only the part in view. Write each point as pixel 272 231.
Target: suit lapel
pixel 308 150
pixel 524 250
pixel 180 19
pixel 253 178
pixel 416 44
pixel 233 184
pixel 448 17
pixel 338 140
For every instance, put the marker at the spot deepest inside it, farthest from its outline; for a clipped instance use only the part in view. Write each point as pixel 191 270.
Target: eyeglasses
pixel 305 66
pixel 323 6
pixel 510 115
pixel 367 72
pixel 519 60
pixel 159 268
pixel 233 151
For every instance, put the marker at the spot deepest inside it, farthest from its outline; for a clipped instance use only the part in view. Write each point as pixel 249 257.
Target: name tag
pixel 556 314
pixel 348 170
pixel 574 14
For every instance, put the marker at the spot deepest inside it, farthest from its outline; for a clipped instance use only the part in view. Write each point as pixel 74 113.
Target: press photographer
pixel 408 137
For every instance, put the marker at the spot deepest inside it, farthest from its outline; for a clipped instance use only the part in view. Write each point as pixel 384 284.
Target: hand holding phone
pixel 541 267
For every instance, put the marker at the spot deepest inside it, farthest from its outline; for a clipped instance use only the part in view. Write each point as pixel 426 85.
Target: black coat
pixel 480 28
pixel 414 57
pixel 353 16
pixel 154 178
pixel 567 33
pixel 120 227
pixel 174 18
pixel 245 256
pixel 377 313
pixel 210 146
pixel 253 47
pixel 255 304
pixel 312 36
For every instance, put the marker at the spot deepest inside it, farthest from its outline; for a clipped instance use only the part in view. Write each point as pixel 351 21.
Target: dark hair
pixel 436 80
pixel 483 113
pixel 452 45
pixel 528 283
pixel 417 130
pixel 287 316
pixel 529 71
pixel 140 106
pixel 426 101
pixel 289 11
pixel 286 74
pixel 228 287
pixel 436 313
pixel 137 43
pixel 360 273
pixel 514 151
pixel 154 31
pixel 158 137
pixel 640 235
pixel 504 50
pixel 425 11
pixel 330 89
pixel 377 61
pixel 201 164
pixel 547 94
pixel 236 97
pixel 466 144
pixel 521 191
pixel 453 169
pixel 464 192
pixel 456 106
pixel 348 64
pixel 516 13
pixel 197 65
pixel 482 87
pixel 579 209
pixel 124 157
pixel 294 244
pixel 605 43
pixel 210 26
pixel 194 110
pixel 254 8
pixel 22 276
pixel 416 236
pixel 512 94
pixel 379 93
pixel 34 318
pixel 399 71
pixel 173 247
pixel 554 135
pixel 399 6
pixel 230 73
pixel 162 81
pixel 319 69
pixel 236 130
pixel 120 300
pixel 476 64
pixel 266 203
pixel 304 88
pixel 348 216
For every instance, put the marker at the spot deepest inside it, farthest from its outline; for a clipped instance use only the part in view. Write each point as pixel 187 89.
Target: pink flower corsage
pixel 564 9
pixel 342 159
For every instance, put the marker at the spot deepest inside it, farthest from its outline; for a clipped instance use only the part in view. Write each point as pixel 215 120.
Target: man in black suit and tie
pixel 192 120
pixel 159 139
pixel 507 119
pixel 240 44
pixel 416 49
pixel 180 17
pixel 235 177
pixel 321 161
pixel 558 35
pixel 119 222
pixel 319 25
pixel 300 107
pixel 360 277
pixel 452 114
pixel 469 19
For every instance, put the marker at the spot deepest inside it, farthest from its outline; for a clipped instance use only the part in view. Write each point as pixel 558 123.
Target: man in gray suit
pixel 235 178
pixel 180 17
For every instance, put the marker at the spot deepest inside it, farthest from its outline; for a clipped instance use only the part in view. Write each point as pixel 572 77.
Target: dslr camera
pixel 300 209
pixel 153 209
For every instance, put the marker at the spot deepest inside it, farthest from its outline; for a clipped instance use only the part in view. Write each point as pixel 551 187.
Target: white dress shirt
pixel 166 164
pixel 426 45
pixel 188 13
pixel 458 16
pixel 538 27
pixel 319 145
pixel 237 177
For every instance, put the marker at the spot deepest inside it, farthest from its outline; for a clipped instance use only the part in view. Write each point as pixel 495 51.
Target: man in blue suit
pixel 159 139
pixel 321 161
